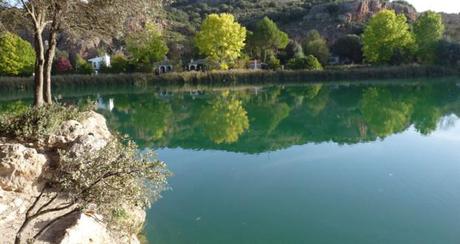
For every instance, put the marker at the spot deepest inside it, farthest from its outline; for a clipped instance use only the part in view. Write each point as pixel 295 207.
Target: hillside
pixel 333 18
pixel 181 20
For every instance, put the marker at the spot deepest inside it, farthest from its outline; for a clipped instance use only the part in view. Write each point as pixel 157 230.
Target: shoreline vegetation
pixel 235 77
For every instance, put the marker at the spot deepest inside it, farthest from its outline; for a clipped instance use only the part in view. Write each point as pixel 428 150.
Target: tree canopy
pixel 386 36
pixel 349 47
pixel 147 46
pixel 428 30
pixel 266 39
pixel 16 55
pixel 221 39
pixel 317 46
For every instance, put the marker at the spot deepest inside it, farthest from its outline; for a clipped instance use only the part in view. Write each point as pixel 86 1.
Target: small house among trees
pixel 198 65
pixel 164 67
pixel 99 62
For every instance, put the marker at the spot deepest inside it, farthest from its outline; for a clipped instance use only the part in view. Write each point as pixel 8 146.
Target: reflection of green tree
pixel 384 113
pixel 224 119
pixel 152 118
pixel 267 118
pixel 426 112
pixel 426 118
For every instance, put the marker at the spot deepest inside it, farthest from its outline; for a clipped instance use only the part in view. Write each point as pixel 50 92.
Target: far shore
pixel 233 77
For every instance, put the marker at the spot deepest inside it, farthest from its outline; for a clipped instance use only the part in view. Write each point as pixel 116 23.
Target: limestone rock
pixel 85 230
pixel 20 168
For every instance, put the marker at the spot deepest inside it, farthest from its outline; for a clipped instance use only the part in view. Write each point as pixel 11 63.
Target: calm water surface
pixel 312 164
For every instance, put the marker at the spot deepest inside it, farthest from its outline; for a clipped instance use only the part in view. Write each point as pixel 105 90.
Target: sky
pixel 448 6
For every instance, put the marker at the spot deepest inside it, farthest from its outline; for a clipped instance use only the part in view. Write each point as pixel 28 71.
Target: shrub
pixel 448 53
pixel 292 50
pixel 309 62
pixel 349 47
pixel 273 62
pixel 63 65
pixel 35 124
pixel 82 66
pixel 317 46
pixel 119 64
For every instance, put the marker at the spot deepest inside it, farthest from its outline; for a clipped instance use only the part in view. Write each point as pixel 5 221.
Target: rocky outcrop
pixel 20 168
pixel 334 20
pixel 22 173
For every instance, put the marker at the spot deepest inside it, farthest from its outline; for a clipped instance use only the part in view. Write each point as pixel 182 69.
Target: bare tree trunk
pixel 39 66
pixel 50 53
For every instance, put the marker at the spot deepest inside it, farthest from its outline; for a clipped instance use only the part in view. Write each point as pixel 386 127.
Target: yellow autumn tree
pixel 221 39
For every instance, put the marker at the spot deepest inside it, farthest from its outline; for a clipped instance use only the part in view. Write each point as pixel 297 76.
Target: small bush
pixel 35 124
pixel 309 62
pixel 120 64
pixel 63 65
pixel 83 67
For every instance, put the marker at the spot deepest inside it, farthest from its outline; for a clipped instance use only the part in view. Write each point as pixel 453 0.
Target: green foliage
pixel 119 64
pixel 221 39
pixel 273 62
pixel 82 66
pixel 384 113
pixel 113 179
pixel 266 39
pixel 309 62
pixel 147 46
pixel 317 46
pixel 349 47
pixel 387 35
pixel 16 55
pixel 428 30
pixel 448 53
pixel 292 50
pixel 35 124
pixel 224 119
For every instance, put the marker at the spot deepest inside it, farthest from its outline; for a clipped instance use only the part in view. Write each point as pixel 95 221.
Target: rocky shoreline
pixel 23 171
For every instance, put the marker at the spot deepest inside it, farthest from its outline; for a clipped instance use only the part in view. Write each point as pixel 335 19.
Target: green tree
pixel 317 46
pixel 428 30
pixel 221 39
pixel 292 50
pixel 387 35
pixel 16 55
pixel 147 46
pixel 267 39
pixel 349 47
pixel 225 119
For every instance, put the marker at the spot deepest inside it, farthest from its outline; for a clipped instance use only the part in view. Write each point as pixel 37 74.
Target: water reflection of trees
pixel 279 117
pixel 224 119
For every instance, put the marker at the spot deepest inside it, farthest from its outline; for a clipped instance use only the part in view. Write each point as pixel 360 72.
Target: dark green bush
pixel 309 63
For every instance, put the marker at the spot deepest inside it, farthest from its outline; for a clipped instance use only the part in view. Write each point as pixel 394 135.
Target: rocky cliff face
pixel 23 169
pixel 334 20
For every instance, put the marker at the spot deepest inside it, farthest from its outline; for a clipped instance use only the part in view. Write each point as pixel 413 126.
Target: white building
pixel 99 62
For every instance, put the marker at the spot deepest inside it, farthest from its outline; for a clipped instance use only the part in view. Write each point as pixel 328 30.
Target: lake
pixel 321 163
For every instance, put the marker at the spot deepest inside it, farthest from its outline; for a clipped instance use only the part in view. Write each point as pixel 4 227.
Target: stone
pixel 86 230
pixel 20 168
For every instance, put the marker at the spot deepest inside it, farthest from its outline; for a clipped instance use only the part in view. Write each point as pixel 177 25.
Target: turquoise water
pixel 308 164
